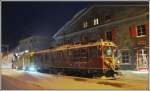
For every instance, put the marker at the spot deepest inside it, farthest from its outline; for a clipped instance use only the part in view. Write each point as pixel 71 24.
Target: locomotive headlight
pixel 108 51
pixel 32 68
pixel 16 67
pixel 23 68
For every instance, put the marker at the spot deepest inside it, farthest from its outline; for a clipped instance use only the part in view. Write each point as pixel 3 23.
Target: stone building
pixel 125 25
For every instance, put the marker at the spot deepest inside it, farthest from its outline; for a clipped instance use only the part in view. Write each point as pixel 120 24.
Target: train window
pixel 60 55
pixel 38 58
pixel 46 57
pixel 76 55
pixel 52 58
pixel 83 54
pixel 57 56
pixel 49 56
pixel 68 54
pixel 83 51
pixel 93 52
pixel 35 57
pixel 41 57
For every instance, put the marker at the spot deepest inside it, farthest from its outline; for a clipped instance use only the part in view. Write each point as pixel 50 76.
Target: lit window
pixel 85 24
pixel 141 30
pixel 125 57
pixel 96 21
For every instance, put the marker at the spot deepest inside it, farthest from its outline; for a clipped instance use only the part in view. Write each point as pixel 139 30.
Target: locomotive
pixel 92 58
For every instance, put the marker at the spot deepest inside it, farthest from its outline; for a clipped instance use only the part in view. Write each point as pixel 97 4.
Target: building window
pixel 107 18
pixel 125 57
pixel 96 21
pixel 109 36
pixel 142 58
pixel 85 24
pixel 141 31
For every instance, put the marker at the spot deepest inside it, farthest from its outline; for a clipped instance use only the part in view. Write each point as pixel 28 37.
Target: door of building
pixel 142 59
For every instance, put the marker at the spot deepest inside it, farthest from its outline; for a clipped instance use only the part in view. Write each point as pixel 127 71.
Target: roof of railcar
pixel 65 47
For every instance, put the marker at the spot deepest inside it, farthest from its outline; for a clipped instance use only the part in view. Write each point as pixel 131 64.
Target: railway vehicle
pixel 92 58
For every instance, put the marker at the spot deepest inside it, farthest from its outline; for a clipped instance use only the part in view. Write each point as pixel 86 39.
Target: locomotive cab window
pixel 107 51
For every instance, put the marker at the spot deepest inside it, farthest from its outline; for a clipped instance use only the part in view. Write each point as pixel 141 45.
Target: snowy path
pixel 17 79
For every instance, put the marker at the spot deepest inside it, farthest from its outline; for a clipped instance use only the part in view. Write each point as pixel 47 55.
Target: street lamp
pixel 26 51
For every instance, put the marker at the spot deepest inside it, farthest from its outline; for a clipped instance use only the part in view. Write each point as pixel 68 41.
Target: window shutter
pixel 133 31
pixel 114 34
pixel 146 25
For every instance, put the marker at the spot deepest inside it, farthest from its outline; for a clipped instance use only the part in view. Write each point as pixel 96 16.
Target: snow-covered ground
pixel 17 79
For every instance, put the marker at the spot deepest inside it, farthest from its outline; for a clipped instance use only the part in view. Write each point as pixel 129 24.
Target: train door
pixel 142 59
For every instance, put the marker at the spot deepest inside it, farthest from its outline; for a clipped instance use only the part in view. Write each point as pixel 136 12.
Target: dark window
pixel 69 55
pixel 80 54
pixel 52 56
pixel 40 57
pixel 107 18
pixel 125 57
pixel 46 57
pixel 76 55
pixel 141 30
pixel 60 56
pixel 83 54
pixel 93 52
pixel 109 36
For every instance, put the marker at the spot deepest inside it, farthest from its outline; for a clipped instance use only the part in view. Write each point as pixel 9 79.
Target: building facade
pixel 34 43
pixel 125 25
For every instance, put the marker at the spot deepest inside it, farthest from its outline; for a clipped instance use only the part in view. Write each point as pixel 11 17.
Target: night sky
pixel 24 19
